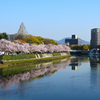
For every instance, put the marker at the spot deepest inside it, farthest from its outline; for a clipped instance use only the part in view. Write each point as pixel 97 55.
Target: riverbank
pixel 22 62
pixel 42 68
pixel 7 58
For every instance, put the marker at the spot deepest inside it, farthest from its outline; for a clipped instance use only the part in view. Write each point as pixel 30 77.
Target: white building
pixel 22 30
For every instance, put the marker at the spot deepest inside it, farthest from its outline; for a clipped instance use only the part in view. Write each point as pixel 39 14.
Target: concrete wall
pixel 48 55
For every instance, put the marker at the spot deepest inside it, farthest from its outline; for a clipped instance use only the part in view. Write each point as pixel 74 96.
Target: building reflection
pixel 94 61
pixel 76 62
pixel 74 67
pixel 95 70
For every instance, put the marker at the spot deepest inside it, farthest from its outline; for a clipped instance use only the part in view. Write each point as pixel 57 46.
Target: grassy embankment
pixel 26 56
pixel 16 57
pixel 12 67
pixel 29 61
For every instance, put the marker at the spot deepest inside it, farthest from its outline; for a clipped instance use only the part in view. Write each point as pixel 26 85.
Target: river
pixel 77 78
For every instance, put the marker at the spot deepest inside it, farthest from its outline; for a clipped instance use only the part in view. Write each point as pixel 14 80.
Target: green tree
pixel 20 37
pixel 85 47
pixel 35 39
pixel 31 39
pixel 41 39
pixel 4 36
pixel 49 41
pixel 80 47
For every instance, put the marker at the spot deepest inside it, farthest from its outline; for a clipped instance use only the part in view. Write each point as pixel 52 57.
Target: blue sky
pixel 54 19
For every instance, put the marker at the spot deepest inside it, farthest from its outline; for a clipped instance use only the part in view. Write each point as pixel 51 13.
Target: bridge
pixel 79 52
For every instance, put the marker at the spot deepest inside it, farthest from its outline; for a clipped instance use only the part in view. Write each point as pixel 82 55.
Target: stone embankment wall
pixel 48 55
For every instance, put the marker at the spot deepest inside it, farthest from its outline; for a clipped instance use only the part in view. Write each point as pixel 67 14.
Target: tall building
pixel 22 30
pixel 74 40
pixel 95 37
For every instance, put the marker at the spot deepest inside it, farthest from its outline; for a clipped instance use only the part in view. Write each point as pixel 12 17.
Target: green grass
pixel 28 61
pixel 56 54
pixel 16 57
pixel 68 53
pixel 33 61
pixel 26 56
pixel 13 67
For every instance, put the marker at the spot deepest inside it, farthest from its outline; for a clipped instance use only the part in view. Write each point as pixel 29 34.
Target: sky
pixel 54 19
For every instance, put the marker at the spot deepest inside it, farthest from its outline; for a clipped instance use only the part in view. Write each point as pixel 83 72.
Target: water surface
pixel 77 78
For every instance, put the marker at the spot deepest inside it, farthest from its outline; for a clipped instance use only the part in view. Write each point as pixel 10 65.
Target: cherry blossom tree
pixel 11 47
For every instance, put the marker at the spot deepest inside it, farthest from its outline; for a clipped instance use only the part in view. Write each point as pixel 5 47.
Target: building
pixel 22 30
pixel 95 37
pixel 73 41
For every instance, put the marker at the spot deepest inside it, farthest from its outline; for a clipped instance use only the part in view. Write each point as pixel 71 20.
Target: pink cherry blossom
pixel 8 46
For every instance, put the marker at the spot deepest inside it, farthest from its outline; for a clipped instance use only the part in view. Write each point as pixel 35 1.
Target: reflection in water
pixel 94 61
pixel 40 71
pixel 1 70
pixel 83 84
pixel 95 70
pixel 74 67
pixel 75 62
pixel 94 64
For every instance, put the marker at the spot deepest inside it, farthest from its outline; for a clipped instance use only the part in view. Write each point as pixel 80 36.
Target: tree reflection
pixel 40 71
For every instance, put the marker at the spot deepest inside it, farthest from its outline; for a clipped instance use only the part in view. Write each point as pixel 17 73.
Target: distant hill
pixel 62 41
pixel 85 42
